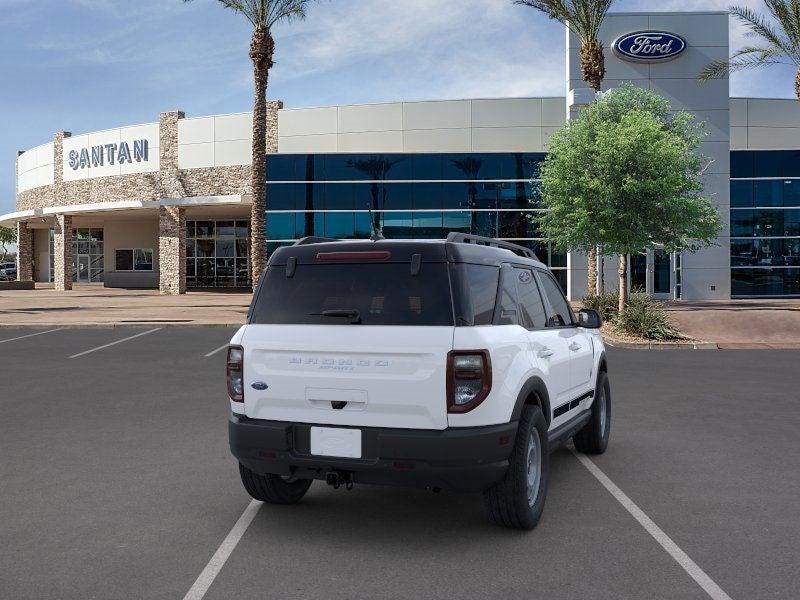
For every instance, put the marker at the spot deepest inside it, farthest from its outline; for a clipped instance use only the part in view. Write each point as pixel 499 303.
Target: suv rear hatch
pixel 351 334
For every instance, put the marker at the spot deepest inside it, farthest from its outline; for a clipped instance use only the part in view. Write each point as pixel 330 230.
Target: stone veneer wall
pixel 62 250
pixel 24 252
pixel 169 182
pixel 172 250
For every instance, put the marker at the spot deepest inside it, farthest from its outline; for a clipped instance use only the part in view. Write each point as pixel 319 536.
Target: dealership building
pixel 167 204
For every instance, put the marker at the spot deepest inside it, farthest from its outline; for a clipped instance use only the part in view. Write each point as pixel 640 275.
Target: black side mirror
pixel 590 319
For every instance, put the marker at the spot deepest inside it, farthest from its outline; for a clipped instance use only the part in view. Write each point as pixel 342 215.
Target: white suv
pixel 451 364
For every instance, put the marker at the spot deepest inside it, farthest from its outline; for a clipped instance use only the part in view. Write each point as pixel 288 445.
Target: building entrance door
pixel 83 269
pixel 652 272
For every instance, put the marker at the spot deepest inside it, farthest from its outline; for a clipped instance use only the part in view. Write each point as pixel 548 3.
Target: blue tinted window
pixel 340 196
pixel 280 226
pixel 339 225
pixel 426 166
pixel 363 228
pixel 742 164
pixel 741 194
pixel 791 222
pixel 399 196
pixel 455 195
pixel 427 195
pixel 308 224
pixel 791 163
pixel 282 196
pixel 458 221
pixel 768 163
pixel 768 193
pixel 742 223
pixel 791 192
pixel 398 225
pixel 281 167
pixel 765 282
pixel 462 166
pixel 311 196
pixel 428 225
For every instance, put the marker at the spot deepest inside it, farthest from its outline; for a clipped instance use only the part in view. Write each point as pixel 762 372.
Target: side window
pixel 507 313
pixel 530 300
pixel 561 314
pixel 475 293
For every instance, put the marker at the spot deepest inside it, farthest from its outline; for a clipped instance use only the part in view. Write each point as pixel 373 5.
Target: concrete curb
pixel 662 345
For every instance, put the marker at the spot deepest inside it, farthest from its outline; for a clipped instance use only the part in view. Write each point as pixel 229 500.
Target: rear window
pixel 379 294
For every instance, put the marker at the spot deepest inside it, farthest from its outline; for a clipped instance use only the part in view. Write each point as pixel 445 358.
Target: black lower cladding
pixel 467 459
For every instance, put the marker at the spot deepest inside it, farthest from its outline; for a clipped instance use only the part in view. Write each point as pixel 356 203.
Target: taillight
pixel 235 373
pixel 469 379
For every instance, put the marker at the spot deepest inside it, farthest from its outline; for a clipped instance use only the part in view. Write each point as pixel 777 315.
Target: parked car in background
pixel 452 365
pixel 8 271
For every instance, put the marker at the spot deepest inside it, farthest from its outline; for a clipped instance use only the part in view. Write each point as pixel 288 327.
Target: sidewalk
pixel 740 323
pixel 89 305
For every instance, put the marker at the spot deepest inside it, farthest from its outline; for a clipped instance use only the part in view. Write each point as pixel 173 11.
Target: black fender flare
pixel 537 386
pixel 602 363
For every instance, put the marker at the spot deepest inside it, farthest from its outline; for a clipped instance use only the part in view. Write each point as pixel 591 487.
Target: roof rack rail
pixel 313 240
pixel 465 238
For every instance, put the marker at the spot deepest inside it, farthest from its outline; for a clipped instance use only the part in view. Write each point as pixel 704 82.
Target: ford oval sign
pixel 649 46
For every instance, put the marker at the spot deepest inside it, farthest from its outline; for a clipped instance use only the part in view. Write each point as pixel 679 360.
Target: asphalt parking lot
pixel 116 482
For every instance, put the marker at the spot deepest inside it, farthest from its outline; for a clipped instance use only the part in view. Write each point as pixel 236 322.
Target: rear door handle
pixel 574 346
pixel 545 352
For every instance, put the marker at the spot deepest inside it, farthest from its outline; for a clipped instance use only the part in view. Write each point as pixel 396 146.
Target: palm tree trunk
pixel 623 282
pixel 591 282
pixel 593 67
pixel 261 52
pixel 797 84
pixel 593 70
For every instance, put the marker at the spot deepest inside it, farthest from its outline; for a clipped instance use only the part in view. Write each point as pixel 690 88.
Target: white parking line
pixel 695 572
pixel 22 337
pixel 115 343
pixel 209 574
pixel 213 352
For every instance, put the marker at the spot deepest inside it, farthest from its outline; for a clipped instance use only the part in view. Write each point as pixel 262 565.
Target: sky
pixel 86 65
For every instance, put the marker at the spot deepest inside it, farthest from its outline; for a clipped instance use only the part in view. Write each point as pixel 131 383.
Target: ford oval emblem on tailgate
pixel 259 385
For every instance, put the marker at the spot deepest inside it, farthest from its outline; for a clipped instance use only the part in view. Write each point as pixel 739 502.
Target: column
pixel 24 252
pixel 171 250
pixel 62 250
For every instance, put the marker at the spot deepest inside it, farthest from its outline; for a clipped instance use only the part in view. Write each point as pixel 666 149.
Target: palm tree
pixel 584 19
pixel 263 15
pixel 780 42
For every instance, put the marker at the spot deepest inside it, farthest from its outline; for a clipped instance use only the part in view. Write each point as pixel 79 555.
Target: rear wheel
pixel 593 438
pixel 518 500
pixel 273 489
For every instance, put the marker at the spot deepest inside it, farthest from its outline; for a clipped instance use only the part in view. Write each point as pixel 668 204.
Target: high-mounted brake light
pixel 469 379
pixel 235 373
pixel 354 256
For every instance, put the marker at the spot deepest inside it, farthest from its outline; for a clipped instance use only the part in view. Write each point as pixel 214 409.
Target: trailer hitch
pixel 336 479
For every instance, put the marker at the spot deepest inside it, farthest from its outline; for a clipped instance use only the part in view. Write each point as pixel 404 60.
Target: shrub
pixel 646 318
pixel 605 303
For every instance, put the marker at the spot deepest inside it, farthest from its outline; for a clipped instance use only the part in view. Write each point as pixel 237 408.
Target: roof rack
pixel 313 240
pixel 465 238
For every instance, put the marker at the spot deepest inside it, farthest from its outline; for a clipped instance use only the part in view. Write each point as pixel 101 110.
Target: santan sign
pixel 97 156
pixel 649 46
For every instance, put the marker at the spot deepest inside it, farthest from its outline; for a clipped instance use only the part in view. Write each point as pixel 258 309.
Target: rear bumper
pixel 464 459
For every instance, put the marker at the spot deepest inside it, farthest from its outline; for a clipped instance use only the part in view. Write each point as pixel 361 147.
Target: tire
pixel 273 489
pixel 516 501
pixel 593 438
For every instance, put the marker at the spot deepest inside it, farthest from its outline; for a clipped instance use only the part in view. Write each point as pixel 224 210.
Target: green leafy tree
pixel 8 236
pixel 584 19
pixel 263 15
pixel 626 175
pixel 778 40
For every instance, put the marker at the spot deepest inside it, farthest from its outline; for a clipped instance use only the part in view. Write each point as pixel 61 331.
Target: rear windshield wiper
pixel 352 314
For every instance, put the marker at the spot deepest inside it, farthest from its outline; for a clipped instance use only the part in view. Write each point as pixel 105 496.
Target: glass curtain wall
pixel 411 196
pixel 765 223
pixel 217 254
